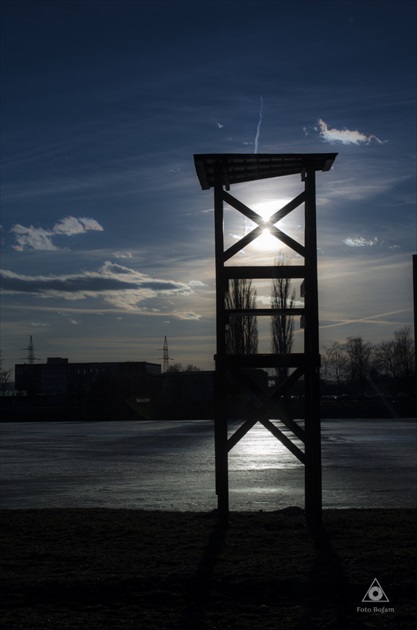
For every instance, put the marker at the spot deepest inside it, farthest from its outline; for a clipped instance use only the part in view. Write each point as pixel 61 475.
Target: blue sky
pixel 107 237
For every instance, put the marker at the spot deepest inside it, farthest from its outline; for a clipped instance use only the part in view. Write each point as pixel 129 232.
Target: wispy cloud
pixel 123 255
pixel 70 225
pixel 345 136
pixel 361 241
pixel 186 315
pixel 122 287
pixel 41 239
pixel 31 238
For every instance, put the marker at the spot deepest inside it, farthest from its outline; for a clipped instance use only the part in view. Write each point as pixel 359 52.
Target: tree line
pixel 359 366
pixel 354 366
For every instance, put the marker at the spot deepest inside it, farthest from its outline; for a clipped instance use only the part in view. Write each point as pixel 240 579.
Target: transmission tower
pixel 166 358
pixel 30 358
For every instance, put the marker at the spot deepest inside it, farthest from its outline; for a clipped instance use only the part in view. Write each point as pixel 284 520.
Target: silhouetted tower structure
pixel 30 358
pixel 165 356
pixel 220 171
pixel 30 375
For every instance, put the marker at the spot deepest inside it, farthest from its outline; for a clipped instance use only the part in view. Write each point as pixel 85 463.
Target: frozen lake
pixel 170 466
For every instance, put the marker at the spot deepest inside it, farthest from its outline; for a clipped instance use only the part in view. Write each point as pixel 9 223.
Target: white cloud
pixel 361 241
pixel 32 238
pixel 40 239
pixel 71 225
pixel 345 136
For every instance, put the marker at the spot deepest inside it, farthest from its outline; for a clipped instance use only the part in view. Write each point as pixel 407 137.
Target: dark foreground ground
pixel 121 569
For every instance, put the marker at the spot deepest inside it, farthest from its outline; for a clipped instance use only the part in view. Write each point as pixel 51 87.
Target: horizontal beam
pixel 266 312
pixel 261 271
pixel 262 360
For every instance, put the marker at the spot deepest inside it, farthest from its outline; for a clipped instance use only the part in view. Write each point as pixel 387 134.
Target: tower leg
pixel 313 489
pixel 221 453
pixel 313 492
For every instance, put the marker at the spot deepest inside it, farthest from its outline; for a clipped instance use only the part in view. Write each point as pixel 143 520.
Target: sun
pixel 267 242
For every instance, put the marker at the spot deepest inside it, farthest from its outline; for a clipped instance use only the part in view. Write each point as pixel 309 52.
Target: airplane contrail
pixel 372 319
pixel 258 129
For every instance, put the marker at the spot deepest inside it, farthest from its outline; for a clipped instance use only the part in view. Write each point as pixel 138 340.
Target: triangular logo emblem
pixel 375 593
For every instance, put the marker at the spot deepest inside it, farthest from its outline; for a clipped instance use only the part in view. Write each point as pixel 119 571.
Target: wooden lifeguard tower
pixel 220 172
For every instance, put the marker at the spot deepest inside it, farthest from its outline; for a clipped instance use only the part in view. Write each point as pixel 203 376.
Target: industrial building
pixel 60 377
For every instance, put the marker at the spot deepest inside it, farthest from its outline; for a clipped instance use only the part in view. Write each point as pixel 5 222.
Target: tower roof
pixel 237 168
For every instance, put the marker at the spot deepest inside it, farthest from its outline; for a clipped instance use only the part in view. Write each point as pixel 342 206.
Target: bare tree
pixel 283 297
pixel 242 331
pixel 359 354
pixel 395 358
pixel 334 363
pixel 5 376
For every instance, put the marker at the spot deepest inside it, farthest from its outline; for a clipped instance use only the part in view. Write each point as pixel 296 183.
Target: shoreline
pixel 47 409
pixel 407 418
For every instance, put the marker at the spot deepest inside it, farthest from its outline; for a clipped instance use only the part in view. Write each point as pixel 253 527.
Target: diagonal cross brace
pixel 256 416
pixel 275 396
pixel 283 439
pixel 263 224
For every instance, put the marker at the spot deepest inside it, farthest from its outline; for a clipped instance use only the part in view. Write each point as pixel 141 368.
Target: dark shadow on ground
pixel 326 596
pixel 129 569
pixel 198 592
pixel 317 597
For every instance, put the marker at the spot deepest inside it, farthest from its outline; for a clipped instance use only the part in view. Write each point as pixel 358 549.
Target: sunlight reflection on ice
pixel 170 465
pixel 260 450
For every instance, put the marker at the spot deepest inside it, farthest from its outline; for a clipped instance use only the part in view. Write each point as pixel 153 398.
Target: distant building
pixel 59 377
pixel 186 395
pixel 121 390
pixel 191 395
